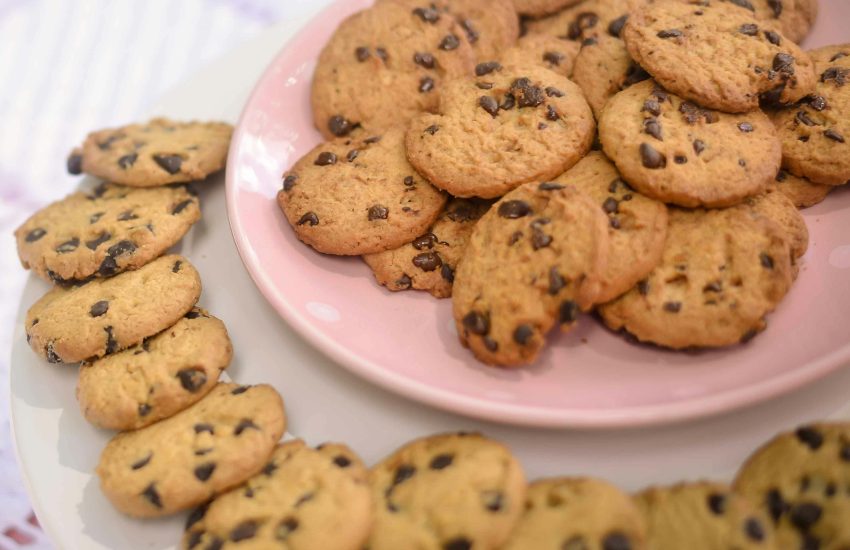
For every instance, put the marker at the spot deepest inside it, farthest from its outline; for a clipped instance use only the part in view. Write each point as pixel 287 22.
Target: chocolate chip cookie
pixel 721 272
pixel 554 53
pixel 802 192
pixel 155 153
pixel 104 316
pixel 446 491
pixel 507 126
pixel 586 20
pixel 775 206
pixel 354 196
pixel 675 151
pixel 182 461
pixel 602 68
pixel 105 231
pixel 535 258
pixel 158 378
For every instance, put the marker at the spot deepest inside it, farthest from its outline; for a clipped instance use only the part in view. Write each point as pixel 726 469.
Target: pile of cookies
pixel 659 187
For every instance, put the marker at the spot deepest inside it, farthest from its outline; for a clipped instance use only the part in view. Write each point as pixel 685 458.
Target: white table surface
pixel 58 450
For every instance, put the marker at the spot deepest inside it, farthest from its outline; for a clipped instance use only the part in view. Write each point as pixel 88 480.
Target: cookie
pixel 800 480
pixel 586 20
pixel 681 45
pixel 385 64
pixel 602 68
pixel 721 272
pixel 534 259
pixel 429 262
pixel 104 232
pixel 802 192
pixel 182 461
pixel 358 196
pixel 158 378
pixel 580 513
pixel 506 127
pixel 104 316
pixel 677 152
pixel 302 498
pixel 794 17
pixel 815 133
pixel 775 206
pixel 539 8
pixel 703 516
pixel 637 225
pixel 551 52
pixel 158 152
pixel 450 491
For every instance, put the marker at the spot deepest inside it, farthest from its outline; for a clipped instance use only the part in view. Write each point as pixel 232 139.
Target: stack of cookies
pixel 658 187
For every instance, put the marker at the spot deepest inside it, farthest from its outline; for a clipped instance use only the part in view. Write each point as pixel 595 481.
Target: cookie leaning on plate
pixel 802 192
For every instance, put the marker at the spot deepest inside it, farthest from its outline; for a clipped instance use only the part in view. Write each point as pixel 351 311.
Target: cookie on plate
pixel 506 127
pixel 637 225
pixel 679 44
pixel 429 262
pixel 450 491
pixel 703 516
pixel 158 378
pixel 157 152
pixel 104 232
pixel 358 196
pixel 602 68
pixel 815 133
pixel 104 316
pixel 675 151
pixel 775 206
pixel 794 17
pixel 800 480
pixel 586 20
pixel 581 513
pixel 302 498
pixel 538 8
pixel 182 461
pixel 535 258
pixel 721 272
pixel 385 64
pixel 554 53
pixel 802 192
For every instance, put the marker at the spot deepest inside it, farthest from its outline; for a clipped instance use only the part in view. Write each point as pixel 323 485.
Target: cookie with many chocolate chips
pixel 504 128
pixel 106 231
pixel 717 55
pixel 358 195
pixel 703 516
pixel 602 68
pixel 586 20
pixel 677 152
pixel 637 225
pixel 815 133
pixel 721 272
pixel 556 54
pixel 104 316
pixel 429 262
pixel 302 498
pixel 794 17
pixel 155 153
pixel 775 206
pixel 450 491
pixel 580 513
pixel 536 258
pixel 385 64
pixel 182 461
pixel 802 192
pixel 800 480
pixel 158 378
pixel 539 8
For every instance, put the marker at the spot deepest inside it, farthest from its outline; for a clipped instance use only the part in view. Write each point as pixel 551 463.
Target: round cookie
pixel 800 480
pixel 581 513
pixel 602 68
pixel 107 231
pixel 504 128
pixel 302 499
pixel 802 192
pixel 794 17
pixel 538 8
pixel 108 315
pixel 775 206
pixel 815 133
pixel 680 43
pixel 429 262
pixel 534 259
pixel 553 53
pixel 703 516
pixel 158 152
pixel 449 491
pixel 158 378
pixel 586 20
pixel 721 272
pixel 385 64
pixel 677 152
pixel 358 196
pixel 637 225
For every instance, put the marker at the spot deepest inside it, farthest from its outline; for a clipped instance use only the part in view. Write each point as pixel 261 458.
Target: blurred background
pixel 68 67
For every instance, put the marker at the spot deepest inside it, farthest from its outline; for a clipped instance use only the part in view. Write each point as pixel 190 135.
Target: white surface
pixel 58 450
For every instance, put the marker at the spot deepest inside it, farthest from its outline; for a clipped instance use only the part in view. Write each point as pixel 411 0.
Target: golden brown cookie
pixel 602 68
pixel 802 192
pixel 775 206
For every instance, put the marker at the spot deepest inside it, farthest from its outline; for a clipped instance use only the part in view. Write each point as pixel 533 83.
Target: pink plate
pixel 406 341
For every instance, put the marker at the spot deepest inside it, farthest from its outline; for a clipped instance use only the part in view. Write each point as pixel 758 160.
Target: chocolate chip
pixel 651 158
pixel 428 15
pixel 833 135
pixel 243 425
pixel 203 427
pixel 693 113
pixel 680 159
pixel 285 528
pixel 339 126
pixel 152 496
pixel 361 53
pixel 783 63
pixel 493 500
pixel 476 323
pixel 441 461
pixel 484 85
pixel 447 273
pixel 35 235
pixel 404 282
pixel 352 155
pixel 844 453
pixel 673 307
pixel 403 473
pixel 651 106
pixel 424 59
pixel 426 241
pixel 382 54
pixel 567 312
pixel 652 127
pixel 487 67
pixel 754 529
pixel 775 504
pixel 342 461
pixel 426 84
pixel 289 182
pixel 68 246
pixel 551 91
pixel 551 113
pixel 432 129
pixel 669 33
pixel 192 379
pixel 773 37
pixel 99 308
pixel 583 21
pixel 508 102
pixel 514 209
pixel 610 206
pixel 550 186
pixel 527 94
pixel 616 541
pixel 489 104
pixel 490 344
pixel 750 29
pixel 128 160
pixel 52 356
pixel 553 58
pixel 471 33
pixel 717 503
pixel 458 543
pixel 803 116
pixel 522 334
pixel 643 287
pixel 810 437
pixel 204 471
pixel 169 163
pixel 776 6
pixel 245 530
pixel 616 26
pixel 378 212
pixel 99 240
pixel 449 42
pixel 766 260
pixel 634 74
pixel 74 164
pixel 111 344
pixel 141 463
pixel 427 261
pixel 805 515
pixel 556 281
pixel 180 206
pixel 107 143
pixel 309 218
pixel 196 516
pixel 745 127
pixel 144 409
pixel 816 102
pixel 325 158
